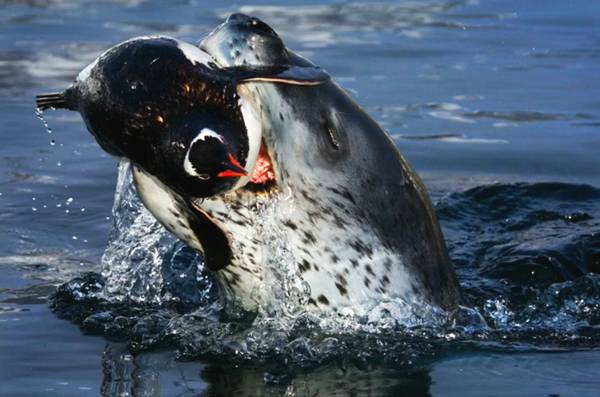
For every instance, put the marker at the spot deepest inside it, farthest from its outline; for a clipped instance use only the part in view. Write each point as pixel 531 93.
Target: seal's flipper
pixel 290 74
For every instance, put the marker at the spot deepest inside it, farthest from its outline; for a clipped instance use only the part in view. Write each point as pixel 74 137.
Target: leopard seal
pixel 356 219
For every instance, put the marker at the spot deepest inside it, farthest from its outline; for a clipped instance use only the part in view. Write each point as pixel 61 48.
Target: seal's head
pixel 244 40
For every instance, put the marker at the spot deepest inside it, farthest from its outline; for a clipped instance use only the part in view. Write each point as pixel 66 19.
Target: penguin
pixel 165 105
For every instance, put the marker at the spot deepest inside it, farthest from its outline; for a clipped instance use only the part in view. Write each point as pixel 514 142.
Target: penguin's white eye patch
pixel 205 135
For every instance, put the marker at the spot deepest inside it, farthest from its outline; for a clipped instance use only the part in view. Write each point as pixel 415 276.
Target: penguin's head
pixel 209 159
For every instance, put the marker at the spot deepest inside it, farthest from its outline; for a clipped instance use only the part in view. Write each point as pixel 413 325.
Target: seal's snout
pixel 248 22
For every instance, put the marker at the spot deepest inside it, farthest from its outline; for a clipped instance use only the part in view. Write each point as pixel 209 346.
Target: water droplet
pixel 52 142
pixel 69 200
pixel 74 237
pixel 40 115
pixel 33 209
pixel 58 164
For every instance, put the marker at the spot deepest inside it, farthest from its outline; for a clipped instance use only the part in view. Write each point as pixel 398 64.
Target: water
pixel 494 103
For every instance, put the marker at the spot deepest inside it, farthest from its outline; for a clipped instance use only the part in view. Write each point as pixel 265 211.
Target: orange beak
pixel 234 169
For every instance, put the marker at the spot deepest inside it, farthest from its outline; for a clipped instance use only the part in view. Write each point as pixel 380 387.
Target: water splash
pixel 285 293
pixel 143 262
pixel 526 257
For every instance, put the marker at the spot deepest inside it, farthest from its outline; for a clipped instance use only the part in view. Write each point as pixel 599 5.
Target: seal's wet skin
pixel 212 132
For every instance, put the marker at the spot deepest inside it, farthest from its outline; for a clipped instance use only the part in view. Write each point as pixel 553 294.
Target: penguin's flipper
pixel 289 74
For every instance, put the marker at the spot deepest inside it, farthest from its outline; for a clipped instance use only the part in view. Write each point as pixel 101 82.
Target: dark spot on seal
pixel 346 194
pixel 307 196
pixel 311 301
pixel 341 279
pixel 280 116
pixel 313 216
pixel 342 289
pixel 369 270
pixel 361 247
pixel 233 278
pixel 288 223
pixel 339 222
pixel 388 264
pixel 367 282
pixel 354 263
pixel 322 299
pixel 310 237
pixel 304 265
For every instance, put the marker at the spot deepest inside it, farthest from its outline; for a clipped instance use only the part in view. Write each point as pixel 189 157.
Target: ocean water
pixel 495 103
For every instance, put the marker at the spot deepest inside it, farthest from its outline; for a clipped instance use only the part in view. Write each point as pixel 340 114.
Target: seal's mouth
pixel 263 174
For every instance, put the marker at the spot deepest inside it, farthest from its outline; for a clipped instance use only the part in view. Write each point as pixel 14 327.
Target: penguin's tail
pixel 55 100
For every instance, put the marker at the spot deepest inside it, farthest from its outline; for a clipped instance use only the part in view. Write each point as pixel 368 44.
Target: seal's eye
pixel 203 177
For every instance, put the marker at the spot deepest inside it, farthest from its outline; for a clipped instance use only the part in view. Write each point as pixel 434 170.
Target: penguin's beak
pixel 233 169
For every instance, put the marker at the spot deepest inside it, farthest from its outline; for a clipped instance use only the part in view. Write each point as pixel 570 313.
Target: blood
pixel 263 170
